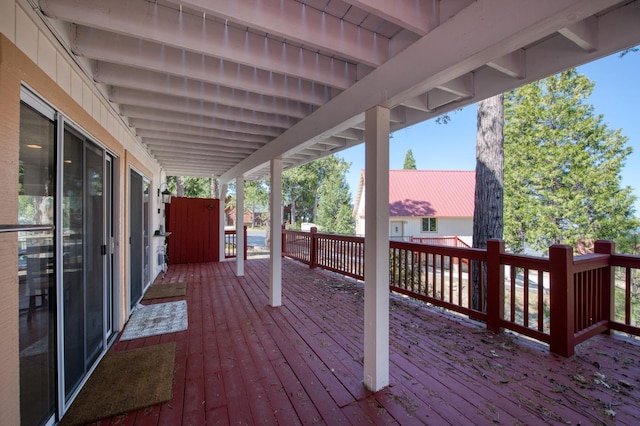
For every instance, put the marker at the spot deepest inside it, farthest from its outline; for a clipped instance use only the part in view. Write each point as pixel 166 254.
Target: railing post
pixel 608 280
pixel 562 304
pixel 495 285
pixel 283 235
pixel 313 256
pixel 245 243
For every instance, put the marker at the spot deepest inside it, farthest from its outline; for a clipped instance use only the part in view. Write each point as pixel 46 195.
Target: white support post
pixel 275 282
pixel 376 249
pixel 223 220
pixel 240 226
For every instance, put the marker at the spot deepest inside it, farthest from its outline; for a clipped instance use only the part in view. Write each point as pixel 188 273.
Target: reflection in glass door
pixel 36 264
pixel 84 257
pixel 139 244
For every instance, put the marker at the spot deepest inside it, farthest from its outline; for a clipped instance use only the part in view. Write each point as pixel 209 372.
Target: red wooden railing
pixel 230 243
pixel 453 241
pixel 557 300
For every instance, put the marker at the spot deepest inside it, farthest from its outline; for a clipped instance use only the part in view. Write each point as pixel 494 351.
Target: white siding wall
pixel 447 227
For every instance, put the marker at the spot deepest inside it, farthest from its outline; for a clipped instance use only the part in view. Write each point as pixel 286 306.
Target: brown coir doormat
pixel 159 291
pixel 125 381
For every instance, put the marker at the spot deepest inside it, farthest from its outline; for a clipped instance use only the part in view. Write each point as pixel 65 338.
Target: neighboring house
pixel 425 203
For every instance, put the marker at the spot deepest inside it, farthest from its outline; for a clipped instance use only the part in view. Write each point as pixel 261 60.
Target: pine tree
pixel 488 218
pixel 562 167
pixel 334 204
pixel 409 161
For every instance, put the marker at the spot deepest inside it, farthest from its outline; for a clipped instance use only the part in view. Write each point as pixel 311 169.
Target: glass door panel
pixel 84 257
pixel 95 251
pixel 136 238
pixel 74 261
pixel 36 267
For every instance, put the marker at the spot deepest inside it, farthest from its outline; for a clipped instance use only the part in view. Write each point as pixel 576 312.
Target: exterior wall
pixel 447 226
pixel 30 55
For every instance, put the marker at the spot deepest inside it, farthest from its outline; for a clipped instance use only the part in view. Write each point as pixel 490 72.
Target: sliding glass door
pixel 36 263
pixel 139 244
pixel 67 296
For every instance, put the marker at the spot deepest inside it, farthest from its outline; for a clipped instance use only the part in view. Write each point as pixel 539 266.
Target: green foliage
pixel 562 167
pixel 334 205
pixel 300 189
pixel 409 161
pixel 192 187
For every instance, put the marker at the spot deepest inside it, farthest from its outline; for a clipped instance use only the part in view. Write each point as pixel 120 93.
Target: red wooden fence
pixel 195 230
pixel 557 300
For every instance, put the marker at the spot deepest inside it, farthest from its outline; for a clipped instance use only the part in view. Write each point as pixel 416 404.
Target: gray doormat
pixel 159 318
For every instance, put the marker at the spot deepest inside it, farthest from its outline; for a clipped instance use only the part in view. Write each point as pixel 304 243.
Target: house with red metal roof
pixel 425 204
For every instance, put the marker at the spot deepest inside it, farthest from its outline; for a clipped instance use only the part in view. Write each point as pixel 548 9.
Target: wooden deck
pixel 243 362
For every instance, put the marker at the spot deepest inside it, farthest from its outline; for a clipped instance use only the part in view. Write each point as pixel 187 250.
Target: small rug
pixel 159 318
pixel 125 381
pixel 159 291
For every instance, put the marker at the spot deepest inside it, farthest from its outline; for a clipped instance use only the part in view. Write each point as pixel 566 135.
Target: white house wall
pixel 447 226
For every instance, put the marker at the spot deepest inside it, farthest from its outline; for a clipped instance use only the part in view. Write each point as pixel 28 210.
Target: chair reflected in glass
pixel 39 280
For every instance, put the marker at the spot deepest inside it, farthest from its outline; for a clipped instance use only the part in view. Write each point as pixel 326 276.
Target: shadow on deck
pixel 243 362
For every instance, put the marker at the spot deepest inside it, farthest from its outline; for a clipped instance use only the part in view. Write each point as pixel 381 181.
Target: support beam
pixel 512 64
pixel 275 252
pixel 222 220
pixel 240 226
pixel 583 33
pixel 376 249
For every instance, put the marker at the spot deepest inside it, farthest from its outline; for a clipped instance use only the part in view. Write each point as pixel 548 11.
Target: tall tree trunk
pixel 488 221
pixel 215 190
pixel 292 218
pixel 179 187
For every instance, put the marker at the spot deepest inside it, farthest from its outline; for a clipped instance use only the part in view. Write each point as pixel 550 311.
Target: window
pixel 429 224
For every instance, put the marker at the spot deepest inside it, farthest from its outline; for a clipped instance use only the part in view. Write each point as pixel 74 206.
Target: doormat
pixel 125 381
pixel 159 291
pixel 159 318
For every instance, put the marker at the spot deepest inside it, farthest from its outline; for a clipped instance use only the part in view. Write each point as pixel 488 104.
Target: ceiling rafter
pixel 137 112
pixel 108 47
pixel 206 109
pixel 132 78
pixel 419 17
pixel 295 22
pixel 150 127
pixel 147 21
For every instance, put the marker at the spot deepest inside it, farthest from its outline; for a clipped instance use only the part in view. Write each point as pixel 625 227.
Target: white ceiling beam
pixel 136 112
pixel 160 126
pixel 426 65
pixel 397 114
pixel 170 27
pixel 108 47
pixel 461 86
pixel 135 78
pixel 352 133
pixel 583 33
pixel 438 98
pixel 511 64
pixel 420 102
pixel 304 25
pixel 169 135
pixel 419 17
pixel 151 136
pixel 198 152
pixel 189 106
pixel 222 144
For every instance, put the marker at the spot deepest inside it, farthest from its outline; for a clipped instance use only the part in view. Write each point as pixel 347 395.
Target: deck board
pixel 242 361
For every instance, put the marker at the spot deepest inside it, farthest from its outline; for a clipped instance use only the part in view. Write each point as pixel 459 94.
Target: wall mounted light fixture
pixel 166 194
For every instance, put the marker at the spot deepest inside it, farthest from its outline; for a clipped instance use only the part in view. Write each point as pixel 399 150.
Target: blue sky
pixel 452 146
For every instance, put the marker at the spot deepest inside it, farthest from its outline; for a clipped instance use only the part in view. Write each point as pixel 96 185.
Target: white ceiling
pixel 218 88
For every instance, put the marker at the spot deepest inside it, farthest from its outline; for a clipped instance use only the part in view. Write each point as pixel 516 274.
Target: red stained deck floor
pixel 244 362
